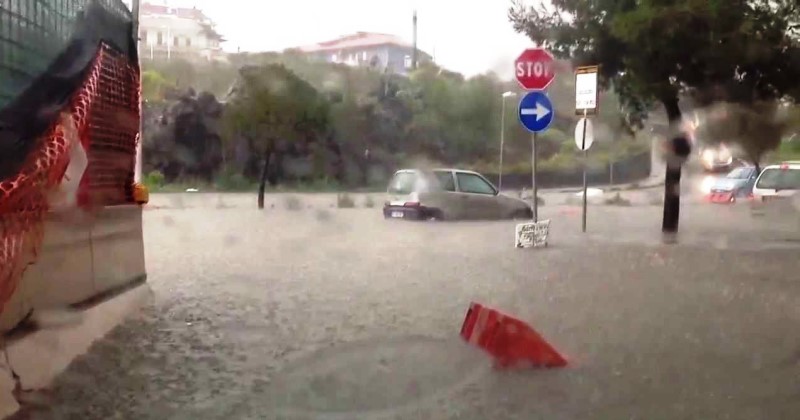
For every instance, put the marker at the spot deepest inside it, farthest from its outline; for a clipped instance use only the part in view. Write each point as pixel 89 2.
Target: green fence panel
pixel 32 33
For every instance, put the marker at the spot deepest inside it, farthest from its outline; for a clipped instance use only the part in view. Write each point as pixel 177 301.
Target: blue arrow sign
pixel 536 111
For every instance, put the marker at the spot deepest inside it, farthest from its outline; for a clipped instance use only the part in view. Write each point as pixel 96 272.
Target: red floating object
pixel 511 342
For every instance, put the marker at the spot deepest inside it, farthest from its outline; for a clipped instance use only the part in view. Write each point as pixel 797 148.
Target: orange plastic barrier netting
pixel 104 115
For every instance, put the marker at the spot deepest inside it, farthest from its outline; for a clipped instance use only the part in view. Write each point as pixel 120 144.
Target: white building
pixel 380 51
pixel 168 32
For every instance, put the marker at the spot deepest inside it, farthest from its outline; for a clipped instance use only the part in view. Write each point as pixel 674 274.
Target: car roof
pixel 792 164
pixel 465 171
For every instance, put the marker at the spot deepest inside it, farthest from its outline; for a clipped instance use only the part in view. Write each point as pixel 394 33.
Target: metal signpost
pixel 586 100
pixel 534 71
pixel 535 114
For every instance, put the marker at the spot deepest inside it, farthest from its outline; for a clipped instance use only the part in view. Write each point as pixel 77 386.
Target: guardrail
pixel 632 169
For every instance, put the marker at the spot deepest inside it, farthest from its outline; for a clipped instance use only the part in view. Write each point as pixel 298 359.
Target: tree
pixel 271 105
pixel 756 128
pixel 655 50
pixel 154 86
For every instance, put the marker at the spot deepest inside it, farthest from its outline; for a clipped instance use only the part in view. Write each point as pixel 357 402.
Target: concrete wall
pixel 81 257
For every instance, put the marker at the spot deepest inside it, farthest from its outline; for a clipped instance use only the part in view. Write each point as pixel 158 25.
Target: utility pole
pixel 414 53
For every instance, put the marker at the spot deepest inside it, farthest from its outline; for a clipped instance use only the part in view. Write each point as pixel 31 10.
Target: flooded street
pixel 305 311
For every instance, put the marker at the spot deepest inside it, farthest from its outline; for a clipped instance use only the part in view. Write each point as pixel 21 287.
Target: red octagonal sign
pixel 534 69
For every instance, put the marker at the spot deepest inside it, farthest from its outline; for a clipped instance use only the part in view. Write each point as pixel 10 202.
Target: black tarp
pixel 28 116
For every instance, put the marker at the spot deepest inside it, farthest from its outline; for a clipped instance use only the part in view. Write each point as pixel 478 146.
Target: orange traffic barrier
pixel 511 342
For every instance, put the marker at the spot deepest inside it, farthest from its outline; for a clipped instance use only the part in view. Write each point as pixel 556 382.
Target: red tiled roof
pixel 357 40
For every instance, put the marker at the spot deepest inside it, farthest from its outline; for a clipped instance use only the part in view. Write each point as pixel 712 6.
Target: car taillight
pixel 413 200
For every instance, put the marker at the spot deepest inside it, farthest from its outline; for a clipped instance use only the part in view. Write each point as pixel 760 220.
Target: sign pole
pixel 535 202
pixel 585 163
pixel 586 98
pixel 502 141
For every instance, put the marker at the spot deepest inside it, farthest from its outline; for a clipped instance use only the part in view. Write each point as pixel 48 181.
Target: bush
pixel 293 203
pixel 344 201
pixel 154 180
pixel 229 180
pixel 618 200
pixel 369 202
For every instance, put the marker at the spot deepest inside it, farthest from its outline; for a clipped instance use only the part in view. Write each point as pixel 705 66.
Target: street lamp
pixel 503 136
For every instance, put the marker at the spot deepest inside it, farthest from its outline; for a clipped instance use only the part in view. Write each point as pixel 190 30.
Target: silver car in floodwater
pixel 449 194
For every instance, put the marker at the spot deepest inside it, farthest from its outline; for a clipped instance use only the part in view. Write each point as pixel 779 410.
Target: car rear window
pixel 403 183
pixel 779 179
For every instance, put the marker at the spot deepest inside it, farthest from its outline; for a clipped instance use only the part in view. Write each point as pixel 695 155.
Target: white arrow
pixel 540 111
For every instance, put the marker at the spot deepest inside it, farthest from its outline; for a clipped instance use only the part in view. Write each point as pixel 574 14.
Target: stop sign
pixel 534 69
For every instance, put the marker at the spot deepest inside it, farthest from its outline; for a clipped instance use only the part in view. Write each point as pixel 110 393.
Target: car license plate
pixel 397 214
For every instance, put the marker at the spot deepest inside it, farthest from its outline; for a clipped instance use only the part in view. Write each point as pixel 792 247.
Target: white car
pixel 716 158
pixel 449 194
pixel 778 187
pixel 777 181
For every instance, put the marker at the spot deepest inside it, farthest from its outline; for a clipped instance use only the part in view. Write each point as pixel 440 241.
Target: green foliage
pixel 789 150
pixel 154 86
pixel 293 203
pixel 230 180
pixel 756 127
pixel 154 180
pixel 369 202
pixel 743 52
pixel 345 201
pixel 323 184
pixel 214 77
pixel 286 103
pixel 271 103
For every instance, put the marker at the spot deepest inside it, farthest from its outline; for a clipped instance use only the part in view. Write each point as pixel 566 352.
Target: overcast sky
pixel 469 36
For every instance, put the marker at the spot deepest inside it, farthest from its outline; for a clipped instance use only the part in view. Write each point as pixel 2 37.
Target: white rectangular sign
pixel 586 90
pixel 533 234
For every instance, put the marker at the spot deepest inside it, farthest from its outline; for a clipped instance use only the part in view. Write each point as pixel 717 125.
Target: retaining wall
pixel 81 258
pixel 632 169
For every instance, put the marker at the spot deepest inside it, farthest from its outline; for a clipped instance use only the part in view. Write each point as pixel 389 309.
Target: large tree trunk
pixel 262 186
pixel 672 179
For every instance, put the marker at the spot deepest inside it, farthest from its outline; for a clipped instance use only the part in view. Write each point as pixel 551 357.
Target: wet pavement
pixel 322 313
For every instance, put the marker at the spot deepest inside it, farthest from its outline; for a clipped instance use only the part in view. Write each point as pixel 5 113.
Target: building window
pixel 407 61
pixel 364 56
pixel 160 39
pixel 188 42
pixel 333 58
pixel 176 41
